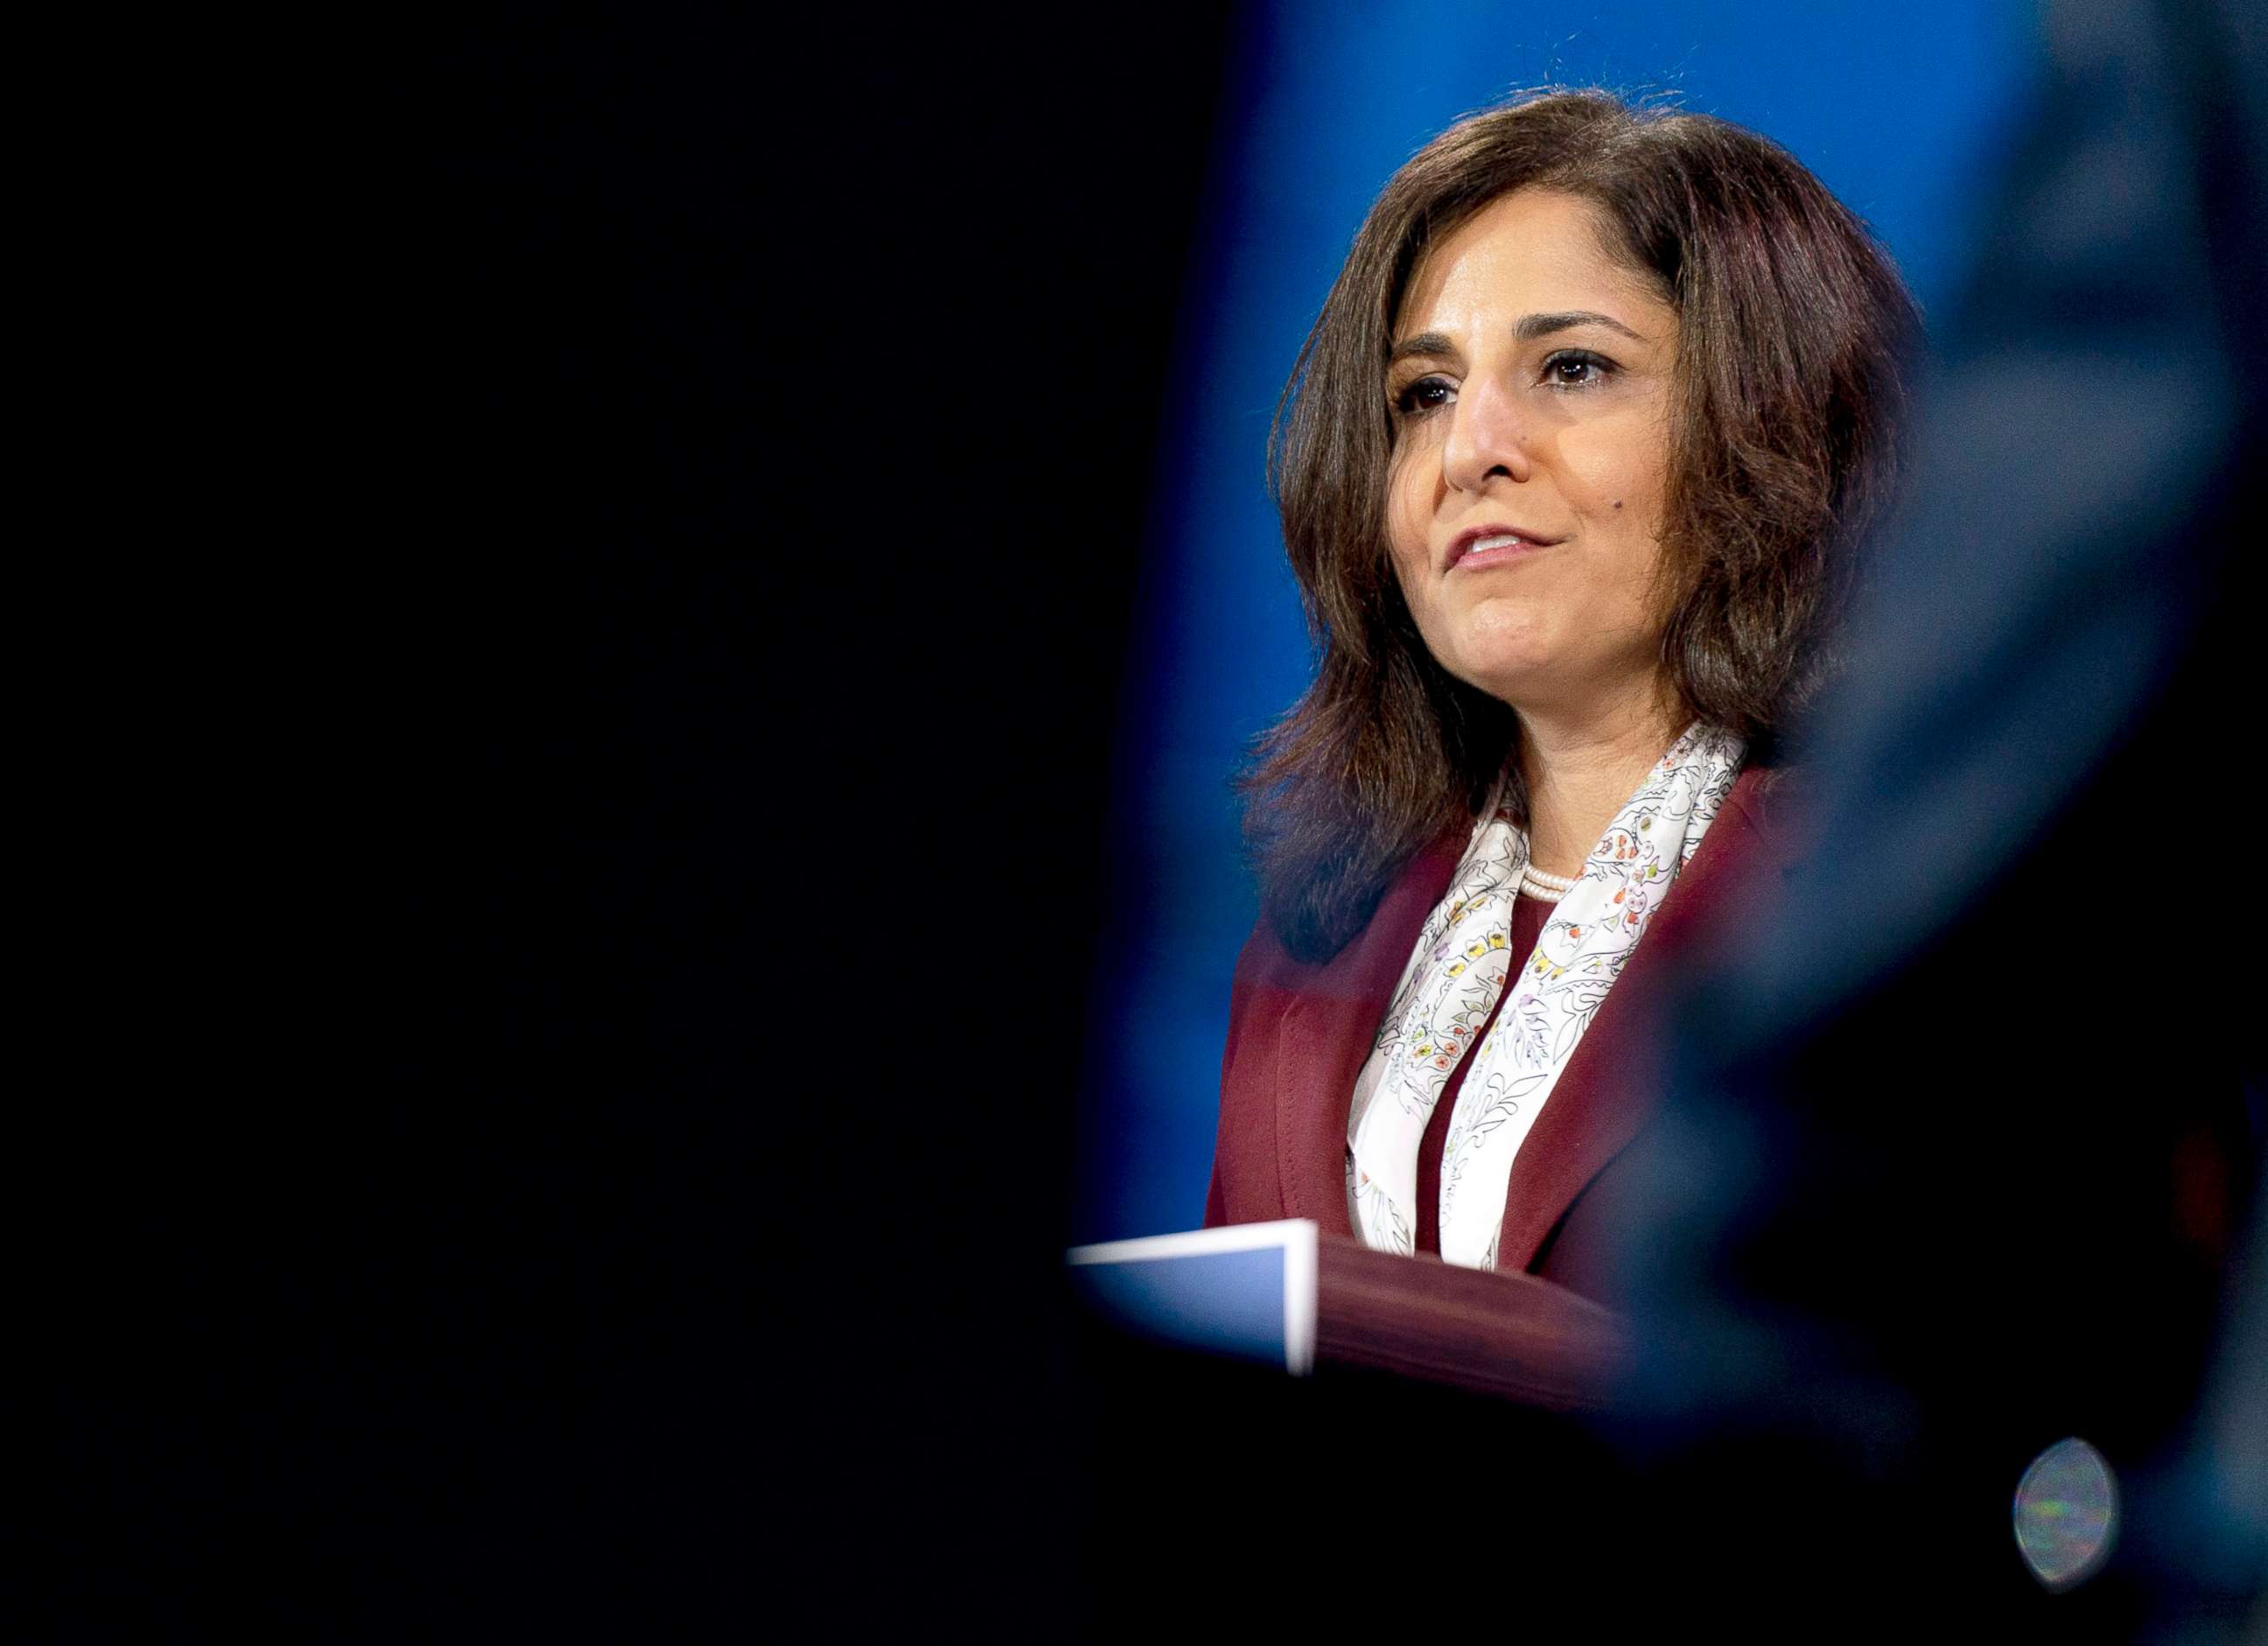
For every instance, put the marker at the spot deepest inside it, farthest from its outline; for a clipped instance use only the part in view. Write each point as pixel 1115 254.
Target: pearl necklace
pixel 1550 888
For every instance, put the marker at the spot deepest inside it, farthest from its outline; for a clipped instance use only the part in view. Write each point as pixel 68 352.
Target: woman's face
pixel 1530 388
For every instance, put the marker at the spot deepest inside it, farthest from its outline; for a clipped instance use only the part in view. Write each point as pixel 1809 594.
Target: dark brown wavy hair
pixel 1793 326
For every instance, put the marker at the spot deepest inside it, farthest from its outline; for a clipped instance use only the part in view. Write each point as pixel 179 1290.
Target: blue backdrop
pixel 1904 113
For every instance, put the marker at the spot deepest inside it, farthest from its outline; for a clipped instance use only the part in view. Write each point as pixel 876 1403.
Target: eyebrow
pixel 1543 325
pixel 1530 328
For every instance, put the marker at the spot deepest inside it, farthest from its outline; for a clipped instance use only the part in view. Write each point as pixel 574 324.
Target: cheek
pixel 1408 517
pixel 1623 491
pixel 1618 471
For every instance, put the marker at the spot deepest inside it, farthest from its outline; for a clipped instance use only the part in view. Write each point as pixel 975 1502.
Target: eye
pixel 1576 368
pixel 1427 393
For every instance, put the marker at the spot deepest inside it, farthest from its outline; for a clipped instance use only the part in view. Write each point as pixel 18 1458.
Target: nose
pixel 1488 436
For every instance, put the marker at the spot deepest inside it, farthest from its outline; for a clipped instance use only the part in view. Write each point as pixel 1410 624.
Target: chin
pixel 1509 665
pixel 1508 680
pixel 1499 658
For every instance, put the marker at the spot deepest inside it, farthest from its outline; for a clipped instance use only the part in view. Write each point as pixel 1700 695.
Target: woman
pixel 1570 469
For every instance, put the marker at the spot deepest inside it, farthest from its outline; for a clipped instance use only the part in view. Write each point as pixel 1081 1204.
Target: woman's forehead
pixel 1533 250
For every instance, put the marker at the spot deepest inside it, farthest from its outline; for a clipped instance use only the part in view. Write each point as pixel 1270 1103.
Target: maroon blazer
pixel 1298 1033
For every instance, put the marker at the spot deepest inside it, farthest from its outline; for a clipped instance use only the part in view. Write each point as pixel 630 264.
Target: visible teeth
pixel 1495 540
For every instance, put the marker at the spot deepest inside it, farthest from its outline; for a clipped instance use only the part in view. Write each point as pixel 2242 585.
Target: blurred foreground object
pixel 1962 1140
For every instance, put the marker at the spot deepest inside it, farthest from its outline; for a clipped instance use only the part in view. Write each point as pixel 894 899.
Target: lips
pixel 1480 547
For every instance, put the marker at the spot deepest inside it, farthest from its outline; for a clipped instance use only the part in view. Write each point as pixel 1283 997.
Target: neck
pixel 1579 772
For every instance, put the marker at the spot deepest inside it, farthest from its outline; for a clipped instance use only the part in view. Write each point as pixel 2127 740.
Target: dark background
pixel 604 1160
pixel 795 402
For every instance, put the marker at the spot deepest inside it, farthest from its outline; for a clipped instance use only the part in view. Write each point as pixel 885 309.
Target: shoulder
pixel 1754 843
pixel 1769 813
pixel 1408 897
pixel 1299 1031
pixel 1340 994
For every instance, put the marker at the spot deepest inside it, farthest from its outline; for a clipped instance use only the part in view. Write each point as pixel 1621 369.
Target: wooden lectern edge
pixel 1510 1335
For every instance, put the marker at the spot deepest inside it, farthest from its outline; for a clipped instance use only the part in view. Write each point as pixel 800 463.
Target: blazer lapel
pixel 1330 1024
pixel 1610 1086
pixel 1329 1017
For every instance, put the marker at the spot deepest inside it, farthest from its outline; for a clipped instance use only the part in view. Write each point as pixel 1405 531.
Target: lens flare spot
pixel 2066 1513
